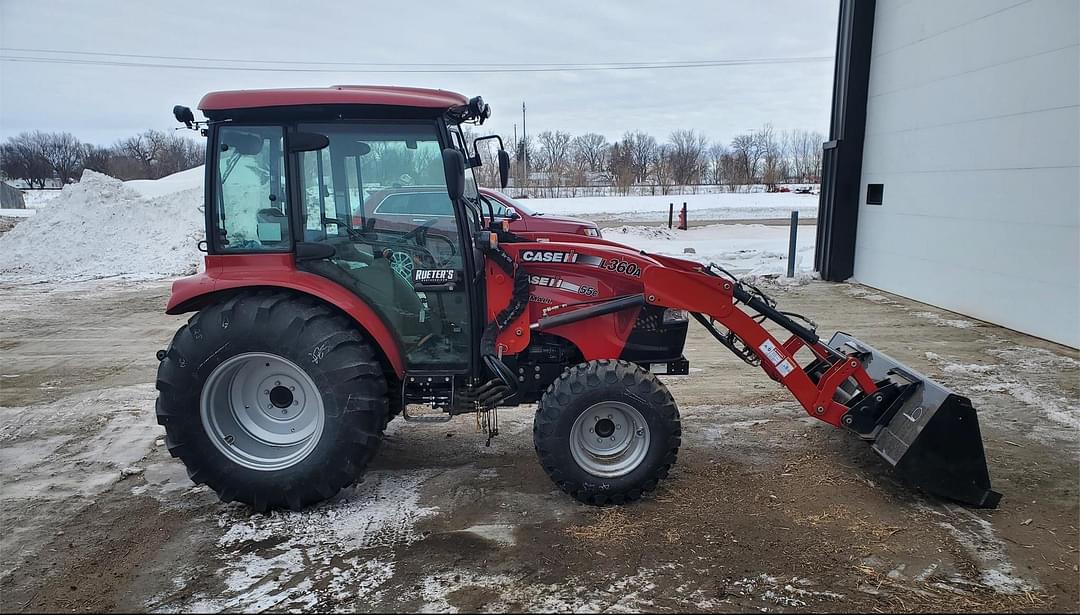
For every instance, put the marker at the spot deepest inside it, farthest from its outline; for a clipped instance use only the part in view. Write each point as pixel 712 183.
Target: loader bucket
pixel 932 440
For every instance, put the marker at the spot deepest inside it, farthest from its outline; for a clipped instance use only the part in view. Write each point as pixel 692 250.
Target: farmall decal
pixel 546 256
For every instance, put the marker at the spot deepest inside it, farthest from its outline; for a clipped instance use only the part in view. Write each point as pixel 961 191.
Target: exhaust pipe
pixel 930 436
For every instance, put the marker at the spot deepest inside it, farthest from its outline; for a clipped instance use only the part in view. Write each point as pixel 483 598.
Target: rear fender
pixel 239 271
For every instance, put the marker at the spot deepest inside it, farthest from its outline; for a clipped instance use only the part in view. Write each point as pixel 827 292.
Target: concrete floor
pixel 766 509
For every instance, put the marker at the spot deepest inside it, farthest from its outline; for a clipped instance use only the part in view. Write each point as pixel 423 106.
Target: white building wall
pixel 973 127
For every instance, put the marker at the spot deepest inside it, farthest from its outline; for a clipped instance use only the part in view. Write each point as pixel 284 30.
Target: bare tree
pixel 662 168
pixel 716 154
pixel 65 155
pixel 589 150
pixel 731 169
pixel 745 150
pixel 772 156
pixel 686 156
pixel 804 154
pixel 643 151
pixel 554 150
pixel 621 165
pixel 23 157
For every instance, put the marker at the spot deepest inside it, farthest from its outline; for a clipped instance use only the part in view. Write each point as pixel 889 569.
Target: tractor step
pixel 433 389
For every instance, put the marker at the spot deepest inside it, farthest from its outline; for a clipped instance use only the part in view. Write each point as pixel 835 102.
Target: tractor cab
pixel 370 188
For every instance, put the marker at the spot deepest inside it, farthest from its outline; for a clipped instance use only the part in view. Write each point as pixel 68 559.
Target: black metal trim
pixel 841 174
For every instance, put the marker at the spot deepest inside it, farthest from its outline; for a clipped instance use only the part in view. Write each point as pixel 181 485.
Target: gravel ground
pixel 766 509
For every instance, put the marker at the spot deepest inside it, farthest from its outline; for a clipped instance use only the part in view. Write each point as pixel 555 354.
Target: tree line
pixel 42 158
pixel 558 160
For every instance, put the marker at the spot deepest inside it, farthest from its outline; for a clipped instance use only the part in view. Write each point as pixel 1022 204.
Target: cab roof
pixel 395 96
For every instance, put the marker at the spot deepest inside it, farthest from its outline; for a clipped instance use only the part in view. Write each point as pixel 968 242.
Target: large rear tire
pixel 272 399
pixel 607 432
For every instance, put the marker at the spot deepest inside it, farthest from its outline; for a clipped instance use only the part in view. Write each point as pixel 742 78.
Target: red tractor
pixel 306 339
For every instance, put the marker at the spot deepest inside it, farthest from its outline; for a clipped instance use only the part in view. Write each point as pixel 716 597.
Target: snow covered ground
pixel 16 213
pixel 725 206
pixel 750 249
pixel 37 198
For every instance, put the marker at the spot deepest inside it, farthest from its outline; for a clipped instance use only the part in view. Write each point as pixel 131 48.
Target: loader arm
pixel 929 434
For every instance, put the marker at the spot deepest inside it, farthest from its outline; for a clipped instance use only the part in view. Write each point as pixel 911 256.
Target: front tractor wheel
pixel 607 431
pixel 272 400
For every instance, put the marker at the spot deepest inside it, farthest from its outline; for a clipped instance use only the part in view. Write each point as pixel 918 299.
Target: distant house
pixel 11 197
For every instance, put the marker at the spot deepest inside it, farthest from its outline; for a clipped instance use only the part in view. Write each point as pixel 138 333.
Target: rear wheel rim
pixel 609 439
pixel 262 411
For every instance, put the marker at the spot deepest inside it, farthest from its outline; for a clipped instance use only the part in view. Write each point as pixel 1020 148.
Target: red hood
pixel 566 219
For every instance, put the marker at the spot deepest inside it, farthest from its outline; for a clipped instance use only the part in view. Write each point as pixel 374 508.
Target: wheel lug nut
pixel 590 430
pixel 277 383
pixel 266 391
pixel 283 411
pixel 292 388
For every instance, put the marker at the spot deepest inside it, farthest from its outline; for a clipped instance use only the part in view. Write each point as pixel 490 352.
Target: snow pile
pixel 177 182
pixel 100 228
pixel 742 249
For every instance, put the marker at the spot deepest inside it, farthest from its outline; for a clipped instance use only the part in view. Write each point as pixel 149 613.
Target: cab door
pixel 377 195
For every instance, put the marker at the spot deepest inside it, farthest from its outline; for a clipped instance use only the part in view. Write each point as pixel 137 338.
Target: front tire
pixel 607 432
pixel 271 399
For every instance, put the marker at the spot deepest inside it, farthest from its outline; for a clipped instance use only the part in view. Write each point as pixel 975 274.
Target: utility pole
pixel 524 150
pixel 516 145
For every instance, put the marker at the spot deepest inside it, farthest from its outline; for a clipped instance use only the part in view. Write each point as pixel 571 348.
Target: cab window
pixel 251 206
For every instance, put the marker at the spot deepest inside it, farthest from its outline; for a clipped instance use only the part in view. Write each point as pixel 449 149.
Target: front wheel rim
pixel 262 411
pixel 610 439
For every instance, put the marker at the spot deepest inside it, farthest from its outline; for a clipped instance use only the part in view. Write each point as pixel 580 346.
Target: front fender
pixel 234 271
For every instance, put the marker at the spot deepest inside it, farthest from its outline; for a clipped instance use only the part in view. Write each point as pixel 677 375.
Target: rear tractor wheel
pixel 272 400
pixel 607 431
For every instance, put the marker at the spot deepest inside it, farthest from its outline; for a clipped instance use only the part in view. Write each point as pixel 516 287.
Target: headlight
pixel 674 316
pixel 592 232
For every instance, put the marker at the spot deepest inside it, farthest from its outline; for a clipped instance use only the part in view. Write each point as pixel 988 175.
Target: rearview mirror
pixel 504 168
pixel 246 144
pixel 307 141
pixel 454 169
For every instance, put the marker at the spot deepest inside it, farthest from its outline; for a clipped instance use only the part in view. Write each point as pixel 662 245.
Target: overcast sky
pixel 99 103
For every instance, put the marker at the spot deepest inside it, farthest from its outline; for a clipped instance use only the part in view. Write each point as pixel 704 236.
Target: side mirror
pixel 306 141
pixel 183 115
pixel 512 213
pixel 454 168
pixel 504 168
